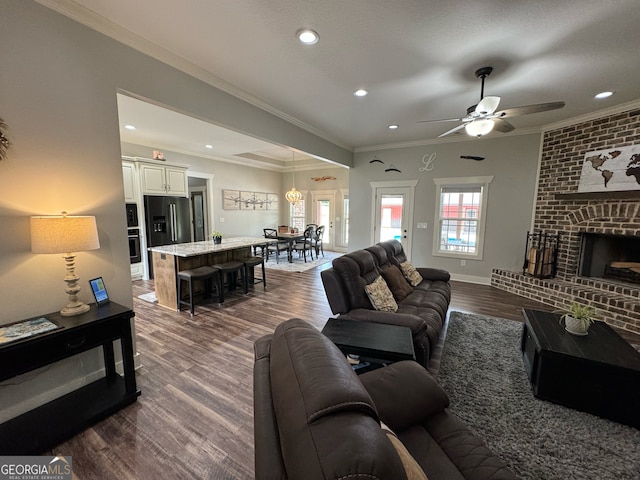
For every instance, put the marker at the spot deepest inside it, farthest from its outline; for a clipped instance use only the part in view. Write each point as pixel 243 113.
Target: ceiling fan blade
pixel 487 105
pixel 527 109
pixel 453 130
pixel 442 120
pixel 503 126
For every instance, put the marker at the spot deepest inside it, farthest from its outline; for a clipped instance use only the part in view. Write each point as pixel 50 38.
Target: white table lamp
pixel 66 234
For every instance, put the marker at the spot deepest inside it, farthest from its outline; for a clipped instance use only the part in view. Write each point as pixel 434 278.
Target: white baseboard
pixel 137 362
pixel 471 279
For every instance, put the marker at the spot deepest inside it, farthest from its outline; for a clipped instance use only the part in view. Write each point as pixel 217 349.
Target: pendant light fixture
pixel 293 195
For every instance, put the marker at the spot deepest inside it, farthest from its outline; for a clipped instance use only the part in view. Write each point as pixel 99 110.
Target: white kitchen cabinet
pixel 177 181
pixel 163 180
pixel 137 271
pixel 130 180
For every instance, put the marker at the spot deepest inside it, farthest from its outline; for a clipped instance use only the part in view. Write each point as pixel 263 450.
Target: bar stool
pixel 209 275
pixel 249 266
pixel 230 270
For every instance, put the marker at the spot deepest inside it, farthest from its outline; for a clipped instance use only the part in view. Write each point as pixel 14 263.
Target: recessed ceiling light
pixel 208 146
pixel 307 36
pixel 393 126
pixel 360 93
pixel 602 95
pixel 129 127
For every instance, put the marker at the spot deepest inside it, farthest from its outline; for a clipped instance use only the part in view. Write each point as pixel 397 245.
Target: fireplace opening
pixel 613 257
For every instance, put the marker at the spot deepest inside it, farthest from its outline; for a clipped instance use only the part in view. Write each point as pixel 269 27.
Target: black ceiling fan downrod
pixel 483 73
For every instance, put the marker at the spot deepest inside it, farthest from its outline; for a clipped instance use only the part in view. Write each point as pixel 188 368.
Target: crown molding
pixel 243 161
pixel 96 22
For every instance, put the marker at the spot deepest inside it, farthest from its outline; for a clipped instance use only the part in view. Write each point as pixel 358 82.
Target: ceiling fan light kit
pixel 483 118
pixel 478 128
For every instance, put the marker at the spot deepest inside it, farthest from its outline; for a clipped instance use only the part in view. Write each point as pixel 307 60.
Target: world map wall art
pixel 611 170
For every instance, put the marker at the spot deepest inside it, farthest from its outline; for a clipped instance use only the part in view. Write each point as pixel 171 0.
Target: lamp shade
pixel 477 128
pixel 63 234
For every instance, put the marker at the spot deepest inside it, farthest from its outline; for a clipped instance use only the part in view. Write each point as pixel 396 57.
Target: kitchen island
pixel 168 260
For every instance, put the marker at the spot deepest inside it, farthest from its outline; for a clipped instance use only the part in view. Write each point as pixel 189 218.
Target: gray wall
pixel 58 85
pixel 513 160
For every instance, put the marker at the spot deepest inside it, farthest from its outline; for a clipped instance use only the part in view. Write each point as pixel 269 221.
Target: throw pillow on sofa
pixel 380 296
pixel 396 283
pixel 411 274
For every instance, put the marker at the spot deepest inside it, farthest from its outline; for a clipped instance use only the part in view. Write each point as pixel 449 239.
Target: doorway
pixel 198 210
pixel 323 214
pixel 201 203
pixel 393 212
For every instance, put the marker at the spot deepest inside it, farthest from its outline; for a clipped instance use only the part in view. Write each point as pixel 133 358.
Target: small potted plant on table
pixel 217 237
pixel 578 318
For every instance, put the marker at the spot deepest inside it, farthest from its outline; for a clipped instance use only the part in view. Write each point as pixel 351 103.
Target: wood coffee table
pixel 376 344
pixel 598 373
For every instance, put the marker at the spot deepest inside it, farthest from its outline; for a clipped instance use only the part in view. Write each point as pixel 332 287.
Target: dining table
pixel 291 239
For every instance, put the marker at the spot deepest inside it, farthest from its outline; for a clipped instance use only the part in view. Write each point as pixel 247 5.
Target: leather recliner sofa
pixel 314 418
pixel 423 311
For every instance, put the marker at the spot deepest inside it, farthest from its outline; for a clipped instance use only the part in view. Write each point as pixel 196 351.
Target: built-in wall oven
pixel 133 232
pixel 135 255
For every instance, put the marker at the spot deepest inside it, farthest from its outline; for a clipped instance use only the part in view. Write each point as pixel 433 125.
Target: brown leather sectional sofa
pixel 314 418
pixel 424 310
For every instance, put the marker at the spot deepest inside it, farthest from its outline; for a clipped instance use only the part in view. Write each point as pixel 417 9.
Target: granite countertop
pixel 200 248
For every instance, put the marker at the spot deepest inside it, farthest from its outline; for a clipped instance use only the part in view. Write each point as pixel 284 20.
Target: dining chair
pixel 304 244
pixel 275 247
pixel 318 242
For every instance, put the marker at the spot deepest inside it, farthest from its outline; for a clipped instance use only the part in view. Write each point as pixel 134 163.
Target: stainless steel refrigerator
pixel 167 222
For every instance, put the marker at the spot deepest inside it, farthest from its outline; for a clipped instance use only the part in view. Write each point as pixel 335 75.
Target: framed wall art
pixel 231 199
pixel 611 170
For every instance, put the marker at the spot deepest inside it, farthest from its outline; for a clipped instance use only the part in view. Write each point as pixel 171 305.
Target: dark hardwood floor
pixel 194 419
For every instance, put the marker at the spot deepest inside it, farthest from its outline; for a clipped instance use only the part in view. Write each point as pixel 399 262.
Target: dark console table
pixel 598 373
pixel 44 427
pixel 376 344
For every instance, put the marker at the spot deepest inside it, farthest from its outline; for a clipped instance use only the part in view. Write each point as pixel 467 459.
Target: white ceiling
pixel 416 58
pixel 162 129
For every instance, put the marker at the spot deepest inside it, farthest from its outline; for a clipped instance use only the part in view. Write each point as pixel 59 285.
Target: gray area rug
pixel 483 374
pixel 298 264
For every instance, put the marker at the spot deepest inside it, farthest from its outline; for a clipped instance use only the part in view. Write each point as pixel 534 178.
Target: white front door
pixel 393 212
pixel 323 214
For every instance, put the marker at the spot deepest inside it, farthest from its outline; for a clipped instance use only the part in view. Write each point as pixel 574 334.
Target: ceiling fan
pixel 483 118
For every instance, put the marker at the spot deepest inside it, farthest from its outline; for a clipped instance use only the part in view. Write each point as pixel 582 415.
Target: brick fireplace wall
pixel 559 210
